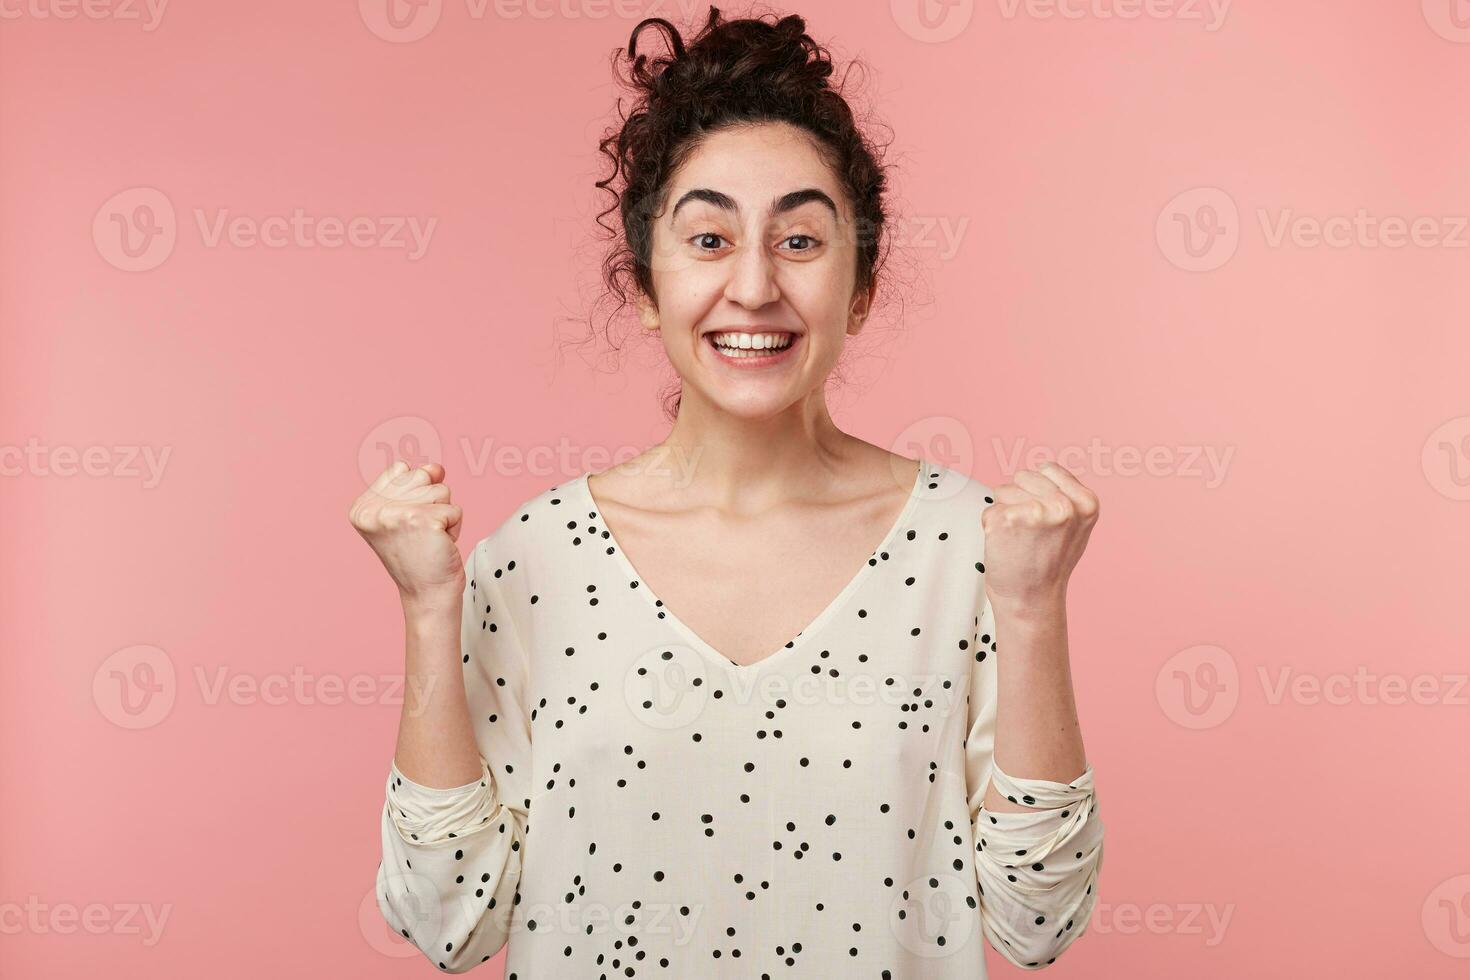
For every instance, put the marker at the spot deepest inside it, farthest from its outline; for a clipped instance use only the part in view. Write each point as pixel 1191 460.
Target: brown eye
pixel 701 240
pixel 811 242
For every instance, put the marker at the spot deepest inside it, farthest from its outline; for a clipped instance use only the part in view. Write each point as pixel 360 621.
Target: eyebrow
pixel 780 205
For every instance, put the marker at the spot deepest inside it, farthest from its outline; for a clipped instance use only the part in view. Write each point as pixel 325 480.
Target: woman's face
pixel 754 264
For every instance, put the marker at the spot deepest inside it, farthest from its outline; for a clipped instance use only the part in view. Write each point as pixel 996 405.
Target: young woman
pixel 746 689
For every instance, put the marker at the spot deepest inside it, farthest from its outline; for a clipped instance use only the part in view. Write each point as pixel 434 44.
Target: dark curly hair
pixel 731 72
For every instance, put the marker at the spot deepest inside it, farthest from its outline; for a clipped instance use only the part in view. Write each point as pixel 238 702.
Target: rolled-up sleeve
pixel 1037 868
pixel 451 861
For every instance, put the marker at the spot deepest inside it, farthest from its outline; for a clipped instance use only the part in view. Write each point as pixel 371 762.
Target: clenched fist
pixel 408 520
pixel 1035 532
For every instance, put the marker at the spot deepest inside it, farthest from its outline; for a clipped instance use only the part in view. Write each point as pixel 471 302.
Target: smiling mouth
pixel 739 345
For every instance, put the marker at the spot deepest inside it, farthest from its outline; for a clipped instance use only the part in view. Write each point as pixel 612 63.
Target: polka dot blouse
pixel 649 809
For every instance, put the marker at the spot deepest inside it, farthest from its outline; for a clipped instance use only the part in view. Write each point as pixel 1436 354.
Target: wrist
pixel 431 607
pixel 1029 610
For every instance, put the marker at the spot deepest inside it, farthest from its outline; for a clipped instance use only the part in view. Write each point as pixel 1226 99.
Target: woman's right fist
pixel 409 522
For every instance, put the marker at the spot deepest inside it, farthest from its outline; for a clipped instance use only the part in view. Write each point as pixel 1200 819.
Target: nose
pixel 752 282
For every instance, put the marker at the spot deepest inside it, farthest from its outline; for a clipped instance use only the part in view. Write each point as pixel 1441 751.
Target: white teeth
pixel 735 344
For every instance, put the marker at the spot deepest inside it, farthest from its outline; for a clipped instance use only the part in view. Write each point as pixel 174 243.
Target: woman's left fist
pixel 1035 533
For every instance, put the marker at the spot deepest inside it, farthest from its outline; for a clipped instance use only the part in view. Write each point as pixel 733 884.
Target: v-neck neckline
pixel 806 633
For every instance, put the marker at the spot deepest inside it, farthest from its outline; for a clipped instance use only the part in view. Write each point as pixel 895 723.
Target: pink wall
pixel 1269 632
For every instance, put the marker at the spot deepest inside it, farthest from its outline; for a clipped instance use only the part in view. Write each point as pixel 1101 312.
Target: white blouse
pixel 818 813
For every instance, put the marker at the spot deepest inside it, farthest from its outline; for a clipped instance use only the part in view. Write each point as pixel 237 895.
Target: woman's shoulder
pixel 538 520
pixel 955 494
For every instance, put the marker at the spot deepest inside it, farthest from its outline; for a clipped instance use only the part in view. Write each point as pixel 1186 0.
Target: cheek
pixel 822 299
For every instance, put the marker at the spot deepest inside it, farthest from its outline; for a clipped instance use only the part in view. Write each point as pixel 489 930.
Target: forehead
pixel 755 165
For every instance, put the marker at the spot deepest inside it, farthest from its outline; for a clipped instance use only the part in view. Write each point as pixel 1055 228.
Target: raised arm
pixel 451 838
pixel 1037 834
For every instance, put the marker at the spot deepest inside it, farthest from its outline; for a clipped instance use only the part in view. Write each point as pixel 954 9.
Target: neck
pixel 727 457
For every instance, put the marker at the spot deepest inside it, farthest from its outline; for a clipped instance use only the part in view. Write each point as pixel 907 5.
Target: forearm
pixel 436 741
pixel 1037 733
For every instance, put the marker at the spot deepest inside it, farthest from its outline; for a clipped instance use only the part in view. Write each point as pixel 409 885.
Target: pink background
pixel 1329 539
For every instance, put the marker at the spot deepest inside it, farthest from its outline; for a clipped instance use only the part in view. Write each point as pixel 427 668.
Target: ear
pixel 857 314
pixel 647 312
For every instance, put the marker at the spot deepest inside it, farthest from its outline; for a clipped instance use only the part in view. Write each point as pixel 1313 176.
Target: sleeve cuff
pixel 1054 808
pixel 429 815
